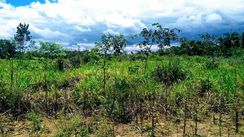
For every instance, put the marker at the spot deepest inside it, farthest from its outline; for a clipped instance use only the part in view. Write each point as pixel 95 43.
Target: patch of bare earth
pixel 206 128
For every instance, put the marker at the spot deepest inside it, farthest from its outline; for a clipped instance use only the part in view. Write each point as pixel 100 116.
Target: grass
pixel 130 91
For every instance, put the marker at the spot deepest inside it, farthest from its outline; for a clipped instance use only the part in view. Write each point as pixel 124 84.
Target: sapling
pixel 104 46
pixel 185 117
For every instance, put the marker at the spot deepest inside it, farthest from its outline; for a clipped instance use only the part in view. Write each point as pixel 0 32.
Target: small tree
pixel 119 42
pixel 104 47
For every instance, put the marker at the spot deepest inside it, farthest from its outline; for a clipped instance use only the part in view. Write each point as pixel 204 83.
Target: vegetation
pixel 95 92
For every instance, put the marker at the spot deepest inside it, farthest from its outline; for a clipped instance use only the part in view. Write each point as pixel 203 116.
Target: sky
pixel 81 22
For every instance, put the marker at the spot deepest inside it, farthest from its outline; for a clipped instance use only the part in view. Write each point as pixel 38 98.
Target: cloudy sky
pixel 73 22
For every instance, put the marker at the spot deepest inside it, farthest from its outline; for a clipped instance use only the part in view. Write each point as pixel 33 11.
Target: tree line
pixel 22 46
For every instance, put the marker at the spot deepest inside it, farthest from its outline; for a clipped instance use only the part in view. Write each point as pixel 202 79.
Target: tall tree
pixel 164 36
pixel 146 44
pixel 22 37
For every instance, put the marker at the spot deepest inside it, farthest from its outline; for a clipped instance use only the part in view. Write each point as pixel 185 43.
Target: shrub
pixel 76 61
pixel 169 75
pixel 205 86
pixel 8 100
pixel 119 106
pixel 63 64
pixel 211 64
pixel 133 69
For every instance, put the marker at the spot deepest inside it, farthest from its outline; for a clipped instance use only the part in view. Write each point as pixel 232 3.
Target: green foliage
pixel 7 49
pixel 52 50
pixel 92 56
pixel 170 74
pixel 213 64
pixel 118 101
pixel 205 86
pixel 22 36
pixel 63 64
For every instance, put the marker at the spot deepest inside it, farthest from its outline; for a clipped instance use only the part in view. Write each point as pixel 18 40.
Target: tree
pixel 119 43
pixel 148 41
pixel 22 37
pixel 164 36
pixel 7 49
pixel 104 47
pixel 52 50
pixel 242 39
pixel 230 40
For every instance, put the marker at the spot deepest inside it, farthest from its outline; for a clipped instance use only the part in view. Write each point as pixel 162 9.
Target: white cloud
pixel 111 32
pixel 213 18
pixel 77 21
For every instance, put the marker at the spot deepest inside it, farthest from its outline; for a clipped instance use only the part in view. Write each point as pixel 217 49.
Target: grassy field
pixel 198 96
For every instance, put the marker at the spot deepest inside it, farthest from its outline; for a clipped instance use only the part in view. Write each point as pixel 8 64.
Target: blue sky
pixel 23 2
pixel 81 22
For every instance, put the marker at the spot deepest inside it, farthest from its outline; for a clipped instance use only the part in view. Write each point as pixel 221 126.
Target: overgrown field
pixel 169 96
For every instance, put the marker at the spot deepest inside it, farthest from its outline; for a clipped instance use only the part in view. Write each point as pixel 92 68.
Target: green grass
pixel 229 73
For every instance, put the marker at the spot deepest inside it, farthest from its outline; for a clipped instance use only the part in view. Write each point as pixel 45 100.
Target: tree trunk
pixel 220 124
pixel 141 114
pixel 146 62
pixel 56 103
pixel 46 93
pixel 104 73
pixel 196 120
pixel 11 74
pixel 236 120
pixel 184 126
pixel 65 102
pixel 153 125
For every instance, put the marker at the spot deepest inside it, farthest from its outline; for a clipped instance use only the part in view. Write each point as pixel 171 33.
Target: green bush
pixel 205 86
pixel 211 64
pixel 63 64
pixel 118 104
pixel 169 74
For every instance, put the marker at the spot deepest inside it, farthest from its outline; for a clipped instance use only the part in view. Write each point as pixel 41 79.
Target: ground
pixel 50 127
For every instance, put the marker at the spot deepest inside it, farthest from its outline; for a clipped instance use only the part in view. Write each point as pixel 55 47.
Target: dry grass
pixel 50 127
